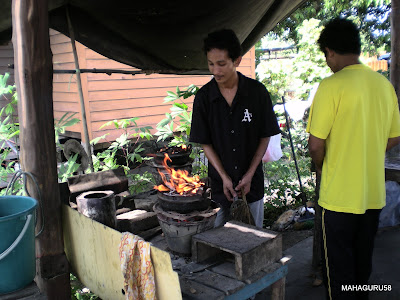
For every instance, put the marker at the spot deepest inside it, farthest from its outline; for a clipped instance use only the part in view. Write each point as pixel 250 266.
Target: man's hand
pixel 228 189
pixel 213 158
pixel 244 184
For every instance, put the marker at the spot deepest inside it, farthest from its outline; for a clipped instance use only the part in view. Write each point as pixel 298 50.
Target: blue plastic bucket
pixel 17 242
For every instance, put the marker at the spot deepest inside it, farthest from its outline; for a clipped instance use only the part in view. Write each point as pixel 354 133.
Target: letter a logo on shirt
pixel 247 116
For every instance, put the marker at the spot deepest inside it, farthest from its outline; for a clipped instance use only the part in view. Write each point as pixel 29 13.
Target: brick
pixel 251 249
pixel 146 203
pixel 137 221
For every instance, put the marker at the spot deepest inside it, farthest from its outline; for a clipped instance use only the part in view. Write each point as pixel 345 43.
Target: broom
pixel 240 210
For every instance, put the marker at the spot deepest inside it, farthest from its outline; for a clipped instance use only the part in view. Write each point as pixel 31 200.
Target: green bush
pixel 283 185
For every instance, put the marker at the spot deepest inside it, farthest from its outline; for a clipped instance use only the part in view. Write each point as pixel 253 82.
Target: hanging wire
pixel 23 175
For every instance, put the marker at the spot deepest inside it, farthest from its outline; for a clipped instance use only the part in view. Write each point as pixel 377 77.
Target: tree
pixel 372 16
pixel 298 74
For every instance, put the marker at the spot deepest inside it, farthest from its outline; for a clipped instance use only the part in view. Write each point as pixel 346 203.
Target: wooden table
pixel 392 169
pixel 219 281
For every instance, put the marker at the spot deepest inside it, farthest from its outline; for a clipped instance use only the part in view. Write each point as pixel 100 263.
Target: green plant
pixel 199 166
pixel 177 124
pixel 67 169
pixel 9 138
pixel 283 185
pixel 9 134
pixel 78 291
pixel 60 125
pixel 125 152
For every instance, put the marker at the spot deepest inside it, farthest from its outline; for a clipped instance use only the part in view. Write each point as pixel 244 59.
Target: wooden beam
pixel 395 51
pixel 34 79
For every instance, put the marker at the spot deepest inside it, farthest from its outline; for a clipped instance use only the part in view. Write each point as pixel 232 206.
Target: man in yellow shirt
pixel 354 120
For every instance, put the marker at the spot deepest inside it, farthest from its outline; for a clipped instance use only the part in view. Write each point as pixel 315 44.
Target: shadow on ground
pixel 386 268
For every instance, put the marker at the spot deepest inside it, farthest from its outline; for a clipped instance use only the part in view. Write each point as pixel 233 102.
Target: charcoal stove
pixel 184 207
pixel 178 228
pixel 186 203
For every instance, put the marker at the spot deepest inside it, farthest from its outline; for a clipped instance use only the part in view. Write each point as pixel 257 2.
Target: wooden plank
pixel 134 103
pixel 192 290
pixel 65 107
pixel 140 76
pixel 65 86
pixel 149 82
pixel 34 76
pixel 65 97
pixel 105 64
pixel 88 242
pixel 63 78
pixel 222 283
pixel 57 37
pixel 130 94
pixel 128 113
pixel 61 48
pixel 4 61
pixel 59 114
pixel 64 66
pixel 143 121
pixel 6 52
pixel 63 58
pixel 167 281
pixel 256 287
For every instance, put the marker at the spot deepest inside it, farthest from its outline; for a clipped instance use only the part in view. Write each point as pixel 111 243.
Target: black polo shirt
pixel 234 132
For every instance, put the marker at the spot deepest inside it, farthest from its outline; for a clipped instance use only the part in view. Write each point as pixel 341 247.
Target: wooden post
pixel 34 80
pixel 81 99
pixel 395 51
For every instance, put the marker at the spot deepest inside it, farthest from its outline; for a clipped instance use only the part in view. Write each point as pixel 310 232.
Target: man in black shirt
pixel 233 121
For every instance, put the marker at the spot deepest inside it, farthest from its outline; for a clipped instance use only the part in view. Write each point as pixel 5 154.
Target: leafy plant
pixel 78 291
pixel 67 169
pixel 60 125
pixel 125 152
pixel 283 185
pixel 372 16
pixel 177 126
pixel 9 135
pixel 297 75
pixel 179 119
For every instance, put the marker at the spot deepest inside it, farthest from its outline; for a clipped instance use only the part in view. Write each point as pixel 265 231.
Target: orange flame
pixel 180 181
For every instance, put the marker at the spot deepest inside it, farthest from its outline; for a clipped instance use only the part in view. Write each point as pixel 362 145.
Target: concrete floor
pixel 386 269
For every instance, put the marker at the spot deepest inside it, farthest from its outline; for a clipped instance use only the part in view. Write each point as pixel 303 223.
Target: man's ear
pixel 329 52
pixel 237 61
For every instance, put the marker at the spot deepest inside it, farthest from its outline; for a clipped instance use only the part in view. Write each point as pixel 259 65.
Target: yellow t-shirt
pixel 355 110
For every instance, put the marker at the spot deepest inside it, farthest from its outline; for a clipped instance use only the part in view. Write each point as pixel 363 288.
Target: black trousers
pixel 347 246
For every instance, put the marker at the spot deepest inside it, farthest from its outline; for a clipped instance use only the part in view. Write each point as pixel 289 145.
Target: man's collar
pixel 215 93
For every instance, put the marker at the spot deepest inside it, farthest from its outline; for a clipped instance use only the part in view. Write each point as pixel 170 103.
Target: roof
pixel 159 36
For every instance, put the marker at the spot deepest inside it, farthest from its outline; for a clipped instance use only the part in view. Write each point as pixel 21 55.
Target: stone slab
pixel 252 249
pixel 146 203
pixel 137 221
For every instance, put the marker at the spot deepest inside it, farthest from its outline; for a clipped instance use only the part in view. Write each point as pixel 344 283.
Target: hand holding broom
pixel 240 210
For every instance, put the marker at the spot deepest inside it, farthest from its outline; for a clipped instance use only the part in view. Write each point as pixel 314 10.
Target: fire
pixel 180 181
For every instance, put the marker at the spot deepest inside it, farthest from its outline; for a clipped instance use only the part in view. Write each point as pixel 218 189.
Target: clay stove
pixel 184 207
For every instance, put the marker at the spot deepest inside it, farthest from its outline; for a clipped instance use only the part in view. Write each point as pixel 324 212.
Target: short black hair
pixel 340 35
pixel 223 39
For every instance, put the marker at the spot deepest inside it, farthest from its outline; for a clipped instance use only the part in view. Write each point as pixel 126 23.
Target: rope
pixel 23 174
